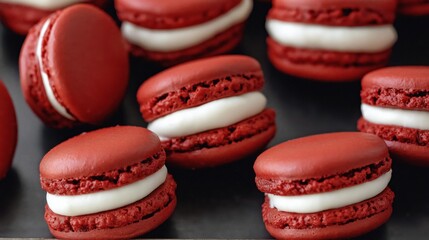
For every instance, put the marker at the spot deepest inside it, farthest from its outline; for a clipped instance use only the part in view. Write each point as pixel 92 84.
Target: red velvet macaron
pixel 325 186
pixel 170 32
pixel 395 107
pixel 8 131
pixel 208 112
pixel 74 67
pixel 330 40
pixel 414 7
pixel 21 15
pixel 107 184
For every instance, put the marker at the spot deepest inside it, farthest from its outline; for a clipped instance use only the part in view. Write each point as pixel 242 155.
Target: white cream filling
pixel 396 117
pixel 182 38
pixel 106 200
pixel 215 114
pixel 44 4
pixel 45 79
pixel 318 202
pixel 365 39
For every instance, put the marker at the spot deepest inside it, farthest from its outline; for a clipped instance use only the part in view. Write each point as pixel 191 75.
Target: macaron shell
pixel 142 216
pixel 335 12
pixel 8 131
pixel 379 5
pixel 219 44
pixel 210 157
pixel 172 14
pixel 12 15
pixel 413 9
pixel 414 154
pixel 99 151
pixel 32 86
pixel 199 82
pixel 320 155
pixel 323 70
pixel 87 63
pixel 404 77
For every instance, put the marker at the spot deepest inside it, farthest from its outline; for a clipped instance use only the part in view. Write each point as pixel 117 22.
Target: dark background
pixel 222 202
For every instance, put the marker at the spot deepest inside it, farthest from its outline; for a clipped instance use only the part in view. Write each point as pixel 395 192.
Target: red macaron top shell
pixel 335 12
pixel 168 14
pixel 408 77
pixel 87 62
pixel 8 131
pixel 320 156
pixel 100 151
pixel 188 75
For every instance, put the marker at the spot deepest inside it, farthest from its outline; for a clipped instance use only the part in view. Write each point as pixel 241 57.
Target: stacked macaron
pixel 171 32
pixel 74 67
pixel 395 107
pixel 21 15
pixel 325 186
pixel 107 184
pixel 330 40
pixel 8 131
pixel 414 7
pixel 208 112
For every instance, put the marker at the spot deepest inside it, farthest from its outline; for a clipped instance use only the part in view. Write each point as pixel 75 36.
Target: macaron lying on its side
pixel 107 184
pixel 325 186
pixel 171 32
pixel 8 131
pixel 414 7
pixel 208 112
pixel 74 67
pixel 330 40
pixel 21 15
pixel 395 107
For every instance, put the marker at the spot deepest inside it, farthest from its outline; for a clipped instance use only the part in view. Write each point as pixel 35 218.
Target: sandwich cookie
pixel 8 131
pixel 208 112
pixel 395 107
pixel 325 186
pixel 414 7
pixel 21 15
pixel 107 184
pixel 74 67
pixel 170 32
pixel 330 40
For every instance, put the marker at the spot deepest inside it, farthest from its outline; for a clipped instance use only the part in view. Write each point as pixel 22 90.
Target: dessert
pixel 74 67
pixel 171 32
pixel 330 40
pixel 8 131
pixel 395 107
pixel 208 112
pixel 325 186
pixel 107 184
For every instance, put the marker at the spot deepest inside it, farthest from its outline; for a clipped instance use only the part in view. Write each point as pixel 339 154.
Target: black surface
pixel 221 202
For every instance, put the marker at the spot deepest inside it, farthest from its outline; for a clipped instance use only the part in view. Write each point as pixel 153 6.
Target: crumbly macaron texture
pixel 8 131
pixel 171 14
pixel 137 217
pixel 194 83
pixel 101 160
pixel 334 12
pixel 345 222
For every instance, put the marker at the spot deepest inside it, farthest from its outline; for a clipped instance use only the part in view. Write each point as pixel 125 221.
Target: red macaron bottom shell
pixel 322 65
pixel 408 144
pixel 20 18
pixel 219 44
pixel 130 221
pixel 414 7
pixel 224 145
pixel 32 83
pixel 346 222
